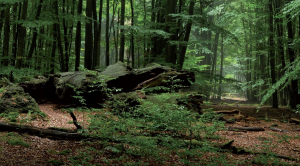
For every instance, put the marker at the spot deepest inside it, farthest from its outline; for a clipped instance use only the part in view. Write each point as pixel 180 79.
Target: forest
pixel 149 82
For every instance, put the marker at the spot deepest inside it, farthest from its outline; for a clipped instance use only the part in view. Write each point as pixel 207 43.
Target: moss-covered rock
pixel 14 99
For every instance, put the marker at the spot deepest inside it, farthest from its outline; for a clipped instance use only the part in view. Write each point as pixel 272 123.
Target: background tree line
pixel 255 42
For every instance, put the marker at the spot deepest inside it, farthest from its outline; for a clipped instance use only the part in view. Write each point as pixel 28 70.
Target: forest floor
pixel 42 150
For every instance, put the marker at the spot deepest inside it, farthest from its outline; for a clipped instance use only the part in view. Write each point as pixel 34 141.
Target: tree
pixel 22 36
pixel 272 53
pixel 88 52
pixel 107 34
pixel 122 40
pixel 78 37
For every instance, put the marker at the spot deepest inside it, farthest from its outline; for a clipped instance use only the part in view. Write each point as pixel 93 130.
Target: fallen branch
pixel 230 128
pixel 277 129
pixel 45 133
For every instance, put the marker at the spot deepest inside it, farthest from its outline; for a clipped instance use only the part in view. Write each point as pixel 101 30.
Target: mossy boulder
pixel 14 99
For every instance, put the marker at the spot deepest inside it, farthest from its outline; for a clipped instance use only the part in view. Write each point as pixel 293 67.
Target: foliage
pixel 14 139
pixel 56 162
pixel 20 75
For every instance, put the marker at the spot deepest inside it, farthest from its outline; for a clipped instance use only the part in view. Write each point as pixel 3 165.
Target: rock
pixel 14 99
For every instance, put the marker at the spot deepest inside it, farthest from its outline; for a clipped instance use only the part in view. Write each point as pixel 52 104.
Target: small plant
pixel 56 162
pixel 51 151
pixel 18 142
pixel 14 139
pixel 65 152
pixel 12 116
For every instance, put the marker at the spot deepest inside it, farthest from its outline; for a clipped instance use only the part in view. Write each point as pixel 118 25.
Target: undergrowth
pixel 149 133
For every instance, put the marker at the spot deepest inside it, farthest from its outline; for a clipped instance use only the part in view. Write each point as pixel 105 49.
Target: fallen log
pixel 45 133
pixel 230 128
pixel 227 112
pixel 277 129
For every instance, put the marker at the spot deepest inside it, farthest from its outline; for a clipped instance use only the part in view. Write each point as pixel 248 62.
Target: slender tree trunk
pixel 78 37
pixel 88 52
pixel 294 99
pixel 2 17
pixel 122 40
pixel 170 49
pixel 221 68
pixel 132 39
pixel 59 42
pixel 22 36
pixel 14 29
pixel 186 36
pixel 272 53
pixel 53 51
pixel 99 35
pixel 107 34
pixel 96 34
pixel 34 38
pixel 6 36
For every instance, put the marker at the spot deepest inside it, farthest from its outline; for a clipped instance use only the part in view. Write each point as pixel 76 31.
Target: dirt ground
pixel 285 142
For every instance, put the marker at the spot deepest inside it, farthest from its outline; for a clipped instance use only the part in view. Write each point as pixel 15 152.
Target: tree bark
pixel 221 70
pixel 78 37
pixel 294 96
pixel 46 133
pixel 132 38
pixel 22 36
pixel 186 36
pixel 272 53
pixel 88 52
pixel 6 36
pixel 33 43
pixel 107 34
pixel 122 40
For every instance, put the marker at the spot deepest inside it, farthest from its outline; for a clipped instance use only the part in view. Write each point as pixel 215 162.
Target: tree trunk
pixel 96 35
pixel 272 53
pixel 170 49
pixel 186 35
pixel 88 52
pixel 34 38
pixel 122 40
pixel 59 42
pixel 14 29
pixel 78 37
pixel 6 36
pixel 132 39
pixel 294 99
pixel 221 69
pixel 107 34
pixel 22 36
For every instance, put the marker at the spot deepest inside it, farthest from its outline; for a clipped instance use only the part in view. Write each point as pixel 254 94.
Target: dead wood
pixel 227 112
pixel 246 128
pixel 277 129
pixel 45 133
pixel 294 120
pixel 237 150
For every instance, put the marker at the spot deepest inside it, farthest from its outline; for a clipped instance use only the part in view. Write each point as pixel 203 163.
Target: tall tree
pixel 132 39
pixel 186 35
pixel 170 48
pixel 107 34
pixel 6 36
pixel 78 37
pixel 22 36
pixel 294 99
pixel 88 52
pixel 122 40
pixel 34 38
pixel 272 53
